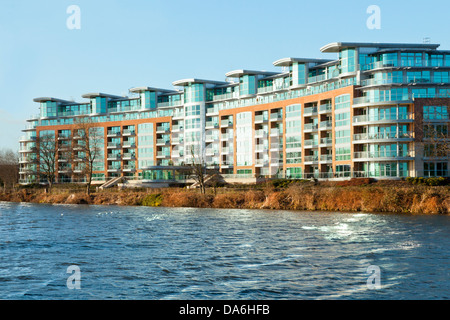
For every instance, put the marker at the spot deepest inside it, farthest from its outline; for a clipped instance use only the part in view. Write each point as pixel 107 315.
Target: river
pixel 109 252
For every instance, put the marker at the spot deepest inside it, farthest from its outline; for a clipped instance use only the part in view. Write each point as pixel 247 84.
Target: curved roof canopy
pixel 143 89
pixel 239 73
pixel 337 46
pixel 46 99
pixel 99 94
pixel 286 62
pixel 186 82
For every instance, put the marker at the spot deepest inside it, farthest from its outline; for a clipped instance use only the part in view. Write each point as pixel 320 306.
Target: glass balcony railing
pixel 383 136
pixel 383 117
pixel 383 154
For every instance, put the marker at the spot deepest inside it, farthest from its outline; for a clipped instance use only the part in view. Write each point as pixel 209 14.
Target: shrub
pixel 152 200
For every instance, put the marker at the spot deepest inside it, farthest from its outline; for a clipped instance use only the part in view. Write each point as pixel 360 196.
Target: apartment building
pixel 371 110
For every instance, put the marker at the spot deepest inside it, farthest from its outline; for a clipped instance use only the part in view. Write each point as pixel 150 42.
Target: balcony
pixel 129 145
pixel 383 118
pixel 211 125
pixel 275 132
pixel 226 123
pixel 162 129
pixel 261 134
pixel 380 64
pixel 113 156
pixel 162 155
pixel 325 108
pixel 383 155
pixel 129 168
pixel 326 125
pixel 177 128
pixel 260 148
pixel 129 133
pixel 326 142
pixel 403 136
pixel 114 168
pixel 310 127
pixel 114 145
pixel 111 133
pixel 162 142
pixel 311 159
pixel 226 136
pixel 261 119
pixel 326 158
pixel 261 162
pixel 129 156
pixel 310 111
pixel 276 117
pixel 311 144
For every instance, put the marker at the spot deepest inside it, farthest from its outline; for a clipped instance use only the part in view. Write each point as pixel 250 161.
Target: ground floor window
pixel 436 169
pixel 294 173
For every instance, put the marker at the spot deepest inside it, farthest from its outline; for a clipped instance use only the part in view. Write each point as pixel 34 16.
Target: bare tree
pixel 90 144
pixel 9 168
pixel 199 170
pixel 47 150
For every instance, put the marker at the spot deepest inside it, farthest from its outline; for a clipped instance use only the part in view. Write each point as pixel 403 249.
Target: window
pixel 294 111
pixel 293 157
pixel 435 169
pixel 342 102
pixel 342 136
pixel 435 113
pixel 192 111
pixel 343 154
pixel 342 119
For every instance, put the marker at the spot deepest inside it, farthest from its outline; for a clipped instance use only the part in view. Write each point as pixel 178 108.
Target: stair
pixel 110 183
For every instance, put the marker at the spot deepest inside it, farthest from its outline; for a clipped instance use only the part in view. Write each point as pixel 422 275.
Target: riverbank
pixel 357 196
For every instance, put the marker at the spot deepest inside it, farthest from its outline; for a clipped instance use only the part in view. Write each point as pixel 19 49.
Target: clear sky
pixel 124 44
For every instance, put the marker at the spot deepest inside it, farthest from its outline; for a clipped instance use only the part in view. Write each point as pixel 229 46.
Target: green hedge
pixel 432 181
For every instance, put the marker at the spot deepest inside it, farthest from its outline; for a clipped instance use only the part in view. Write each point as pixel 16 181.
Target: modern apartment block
pixel 367 113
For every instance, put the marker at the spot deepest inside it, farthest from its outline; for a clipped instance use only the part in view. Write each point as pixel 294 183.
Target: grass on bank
pixel 417 196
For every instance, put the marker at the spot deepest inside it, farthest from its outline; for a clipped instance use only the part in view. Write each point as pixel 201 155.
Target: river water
pixel 187 253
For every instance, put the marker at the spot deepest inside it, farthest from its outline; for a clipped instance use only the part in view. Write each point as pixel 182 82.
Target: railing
pixel 311 158
pixel 163 141
pixel 226 123
pixel 265 89
pixel 129 156
pixel 162 129
pixel 211 124
pixel 380 64
pixel 383 154
pixel 326 108
pixel 326 157
pixel 383 136
pixel 383 117
pixel 261 118
pixel 261 133
pixel 262 162
pixel 326 125
pixel 309 143
pixel 128 132
pixel 113 133
pixel 113 145
pixel 367 99
pixel 326 141
pixel 318 78
pixel 311 126
pixel 310 110
pixel 260 147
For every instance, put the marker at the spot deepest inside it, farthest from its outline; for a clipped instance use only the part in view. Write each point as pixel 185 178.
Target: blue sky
pixel 124 44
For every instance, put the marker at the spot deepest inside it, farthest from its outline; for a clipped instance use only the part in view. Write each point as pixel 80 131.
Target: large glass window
pixel 194 92
pixel 348 60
